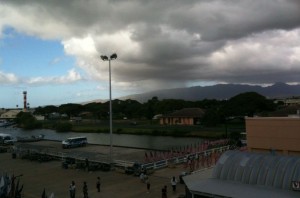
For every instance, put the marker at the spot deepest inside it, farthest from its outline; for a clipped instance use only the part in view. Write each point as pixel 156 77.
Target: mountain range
pixel 219 92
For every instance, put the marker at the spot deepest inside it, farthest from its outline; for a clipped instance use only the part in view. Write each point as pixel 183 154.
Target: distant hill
pixel 219 92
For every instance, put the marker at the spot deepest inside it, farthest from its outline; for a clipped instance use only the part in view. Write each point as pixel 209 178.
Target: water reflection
pixel 138 141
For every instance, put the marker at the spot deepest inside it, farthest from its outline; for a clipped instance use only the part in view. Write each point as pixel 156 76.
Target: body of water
pixel 138 141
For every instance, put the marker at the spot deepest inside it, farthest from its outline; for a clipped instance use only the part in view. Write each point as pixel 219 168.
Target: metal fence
pixel 191 162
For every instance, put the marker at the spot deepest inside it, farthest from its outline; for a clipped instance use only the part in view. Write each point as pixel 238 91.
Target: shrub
pixel 63 127
pixel 27 121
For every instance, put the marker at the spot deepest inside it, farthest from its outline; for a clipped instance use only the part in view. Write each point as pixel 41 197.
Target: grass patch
pixel 149 128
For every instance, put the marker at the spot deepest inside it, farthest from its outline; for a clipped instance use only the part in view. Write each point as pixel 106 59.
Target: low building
pixel 75 119
pixel 273 134
pixel 10 114
pixel 39 117
pixel 289 101
pixel 187 116
pixel 2 110
pixel 247 175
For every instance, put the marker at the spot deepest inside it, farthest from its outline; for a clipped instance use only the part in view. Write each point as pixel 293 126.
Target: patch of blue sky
pixel 26 55
pixel 10 98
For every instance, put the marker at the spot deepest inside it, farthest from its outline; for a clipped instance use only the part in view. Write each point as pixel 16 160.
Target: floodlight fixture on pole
pixel 105 58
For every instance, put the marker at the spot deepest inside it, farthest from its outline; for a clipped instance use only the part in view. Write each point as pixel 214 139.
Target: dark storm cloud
pixel 172 40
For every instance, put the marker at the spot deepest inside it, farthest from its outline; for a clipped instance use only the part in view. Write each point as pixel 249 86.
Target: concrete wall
pixel 274 134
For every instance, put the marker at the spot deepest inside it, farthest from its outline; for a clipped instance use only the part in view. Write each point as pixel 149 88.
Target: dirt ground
pixel 55 179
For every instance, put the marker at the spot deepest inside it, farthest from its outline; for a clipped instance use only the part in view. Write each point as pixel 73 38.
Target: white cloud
pixel 71 77
pixel 33 20
pixel 87 51
pixel 56 60
pixel 8 78
pixel 269 53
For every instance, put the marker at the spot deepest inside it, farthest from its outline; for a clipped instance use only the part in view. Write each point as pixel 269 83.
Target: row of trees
pixel 245 104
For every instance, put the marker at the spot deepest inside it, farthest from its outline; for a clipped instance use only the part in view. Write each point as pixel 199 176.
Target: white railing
pixel 176 160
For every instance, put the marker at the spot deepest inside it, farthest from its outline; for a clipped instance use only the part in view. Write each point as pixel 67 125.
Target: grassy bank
pixel 148 128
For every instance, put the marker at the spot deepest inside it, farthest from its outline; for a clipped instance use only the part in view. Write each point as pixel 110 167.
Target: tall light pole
pixel 109 59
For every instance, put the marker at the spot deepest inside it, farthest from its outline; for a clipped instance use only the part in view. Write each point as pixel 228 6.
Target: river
pixel 137 141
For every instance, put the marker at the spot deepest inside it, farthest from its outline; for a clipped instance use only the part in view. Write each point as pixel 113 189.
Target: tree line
pixel 216 111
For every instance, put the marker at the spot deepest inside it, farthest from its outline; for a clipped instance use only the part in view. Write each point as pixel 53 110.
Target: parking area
pixel 50 175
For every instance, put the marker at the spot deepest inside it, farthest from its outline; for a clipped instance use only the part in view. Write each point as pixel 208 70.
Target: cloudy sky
pixel 52 48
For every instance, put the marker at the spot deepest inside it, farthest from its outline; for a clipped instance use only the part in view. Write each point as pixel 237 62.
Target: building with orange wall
pixel 186 116
pixel 274 134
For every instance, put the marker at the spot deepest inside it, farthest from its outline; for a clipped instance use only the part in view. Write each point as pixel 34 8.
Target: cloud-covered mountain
pixel 220 91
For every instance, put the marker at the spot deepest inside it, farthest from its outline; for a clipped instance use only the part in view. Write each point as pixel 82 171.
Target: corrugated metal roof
pixel 245 174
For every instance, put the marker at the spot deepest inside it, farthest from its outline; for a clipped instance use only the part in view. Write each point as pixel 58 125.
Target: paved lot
pixel 52 177
pixel 92 152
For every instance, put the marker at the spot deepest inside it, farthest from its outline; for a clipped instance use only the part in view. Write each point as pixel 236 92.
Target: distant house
pixel 186 116
pixel 39 117
pixel 76 119
pixel 54 115
pixel 288 101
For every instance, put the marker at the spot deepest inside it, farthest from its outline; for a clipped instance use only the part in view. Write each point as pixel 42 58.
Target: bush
pixel 63 127
pixel 119 130
pixel 27 121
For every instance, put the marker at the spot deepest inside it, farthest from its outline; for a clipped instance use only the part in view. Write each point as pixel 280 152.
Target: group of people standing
pixel 143 177
pixel 72 188
pixel 164 191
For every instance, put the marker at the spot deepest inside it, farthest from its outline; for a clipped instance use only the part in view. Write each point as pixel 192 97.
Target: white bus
pixel 74 142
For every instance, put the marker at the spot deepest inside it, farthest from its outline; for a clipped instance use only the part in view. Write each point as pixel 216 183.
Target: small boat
pixel 33 138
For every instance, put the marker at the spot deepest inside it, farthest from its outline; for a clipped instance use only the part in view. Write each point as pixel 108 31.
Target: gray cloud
pixel 170 42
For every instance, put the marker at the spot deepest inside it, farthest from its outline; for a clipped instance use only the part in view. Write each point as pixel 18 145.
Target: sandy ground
pixel 52 177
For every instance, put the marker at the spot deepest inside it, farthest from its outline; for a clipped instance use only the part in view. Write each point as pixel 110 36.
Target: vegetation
pixel 63 127
pixel 221 119
pixel 27 121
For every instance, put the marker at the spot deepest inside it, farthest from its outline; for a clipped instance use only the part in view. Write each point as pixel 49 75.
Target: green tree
pixel 27 121
pixel 70 109
pixel 97 109
pixel 63 127
pixel 150 107
pixel 211 117
pixel 169 105
pixel 46 110
pixel 128 108
pixel 248 104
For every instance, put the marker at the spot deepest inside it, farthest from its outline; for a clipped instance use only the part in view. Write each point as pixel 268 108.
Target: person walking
pixel 142 177
pixel 85 190
pixel 148 185
pixel 173 183
pixel 87 164
pixel 164 192
pixel 72 189
pixel 98 184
